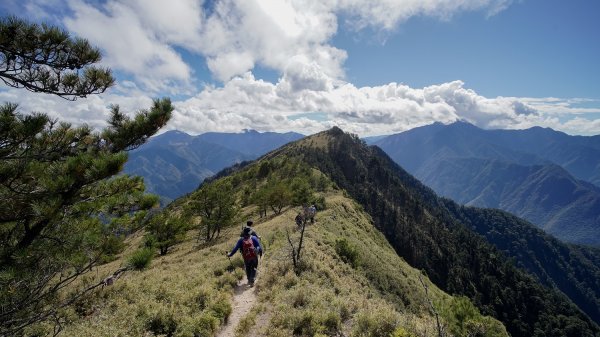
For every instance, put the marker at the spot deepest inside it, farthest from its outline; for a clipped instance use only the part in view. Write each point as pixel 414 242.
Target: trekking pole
pixel 230 263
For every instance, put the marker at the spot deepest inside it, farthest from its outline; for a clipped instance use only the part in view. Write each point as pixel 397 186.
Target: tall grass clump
pixel 140 259
pixel 347 252
pixel 375 323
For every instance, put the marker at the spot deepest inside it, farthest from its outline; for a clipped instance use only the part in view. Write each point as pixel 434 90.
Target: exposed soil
pixel 244 299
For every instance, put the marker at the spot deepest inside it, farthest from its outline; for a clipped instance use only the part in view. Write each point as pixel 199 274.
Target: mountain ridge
pixel 492 168
pixel 384 189
pixel 175 163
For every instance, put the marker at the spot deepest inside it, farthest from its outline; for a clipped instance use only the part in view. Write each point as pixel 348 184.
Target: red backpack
pixel 248 251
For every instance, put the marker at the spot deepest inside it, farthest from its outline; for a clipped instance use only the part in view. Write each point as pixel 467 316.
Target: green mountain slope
pixel 188 292
pixel 572 269
pixel 541 175
pixel 421 229
pixel 546 195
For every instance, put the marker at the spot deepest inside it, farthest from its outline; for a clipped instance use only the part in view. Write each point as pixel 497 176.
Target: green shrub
pixel 220 307
pixel 227 280
pixel 204 324
pixel 218 272
pixel 162 323
pixel 209 323
pixel 347 253
pixel 401 332
pixel 300 298
pixel 301 191
pixel 140 259
pixel 237 262
pixel 202 298
pixel 464 319
pixel 165 232
pixel 376 323
pixel 319 203
pixel 345 312
pixel 246 324
pixel 150 242
pixel 305 324
pixel 331 323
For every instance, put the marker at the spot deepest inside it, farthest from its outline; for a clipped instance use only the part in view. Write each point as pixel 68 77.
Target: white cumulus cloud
pixel 129 44
pixel 145 39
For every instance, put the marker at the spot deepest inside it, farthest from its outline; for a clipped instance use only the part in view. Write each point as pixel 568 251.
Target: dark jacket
pixel 252 231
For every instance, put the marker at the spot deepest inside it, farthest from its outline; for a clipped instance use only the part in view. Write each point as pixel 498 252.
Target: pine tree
pixel 43 58
pixel 216 204
pixel 64 209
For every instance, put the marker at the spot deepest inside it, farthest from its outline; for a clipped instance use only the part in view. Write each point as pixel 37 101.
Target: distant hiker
pixel 299 220
pixel 249 225
pixel 312 212
pixel 250 248
pixel 309 213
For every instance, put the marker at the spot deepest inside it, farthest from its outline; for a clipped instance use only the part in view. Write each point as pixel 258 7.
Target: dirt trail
pixel 244 299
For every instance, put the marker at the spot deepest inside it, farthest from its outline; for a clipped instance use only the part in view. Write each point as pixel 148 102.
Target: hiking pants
pixel 251 266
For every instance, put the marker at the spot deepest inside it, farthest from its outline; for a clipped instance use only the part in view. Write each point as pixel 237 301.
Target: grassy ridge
pixel 189 291
pixel 378 296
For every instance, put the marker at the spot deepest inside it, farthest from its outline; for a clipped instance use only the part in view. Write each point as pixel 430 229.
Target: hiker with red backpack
pixel 250 248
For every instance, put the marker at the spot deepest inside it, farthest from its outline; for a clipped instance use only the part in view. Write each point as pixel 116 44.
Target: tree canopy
pixel 43 58
pixel 216 204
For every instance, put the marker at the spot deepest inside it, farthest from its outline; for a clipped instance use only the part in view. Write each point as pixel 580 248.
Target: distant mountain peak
pixel 335 131
pixel 463 124
pixel 173 133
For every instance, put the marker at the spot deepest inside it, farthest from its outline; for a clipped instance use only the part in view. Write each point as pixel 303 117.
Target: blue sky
pixel 534 48
pixel 369 67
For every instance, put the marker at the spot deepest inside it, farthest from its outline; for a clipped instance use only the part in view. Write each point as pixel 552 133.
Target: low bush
pixel 246 324
pixel 162 323
pixel 221 307
pixel 202 298
pixel 347 253
pixel 375 323
pixel 201 325
pixel 140 259
pixel 227 280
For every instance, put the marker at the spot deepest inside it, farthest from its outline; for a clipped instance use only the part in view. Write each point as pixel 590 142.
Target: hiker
pixel 249 224
pixel 250 248
pixel 312 211
pixel 299 220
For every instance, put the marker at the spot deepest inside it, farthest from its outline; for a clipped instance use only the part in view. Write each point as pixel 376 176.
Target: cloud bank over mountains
pixel 156 45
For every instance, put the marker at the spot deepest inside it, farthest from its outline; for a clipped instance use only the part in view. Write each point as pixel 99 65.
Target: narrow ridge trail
pixel 244 299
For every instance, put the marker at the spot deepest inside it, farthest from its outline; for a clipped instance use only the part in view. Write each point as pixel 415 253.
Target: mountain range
pixel 541 175
pixel 175 163
pixel 386 257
